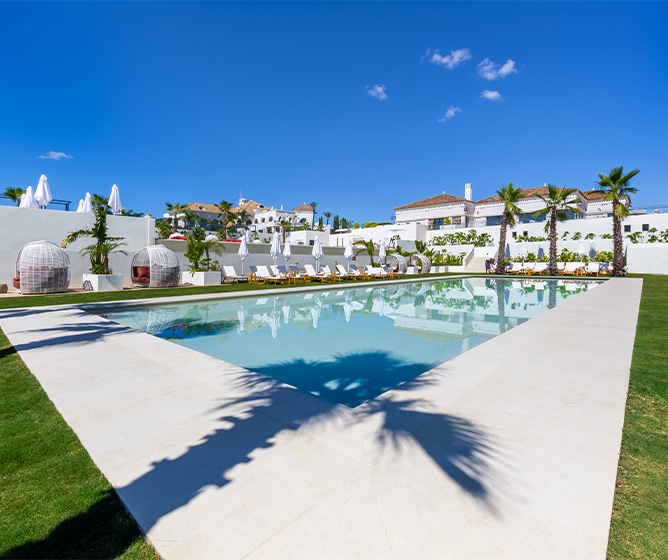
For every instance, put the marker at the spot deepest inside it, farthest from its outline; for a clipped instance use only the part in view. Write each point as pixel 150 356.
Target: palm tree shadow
pixel 459 447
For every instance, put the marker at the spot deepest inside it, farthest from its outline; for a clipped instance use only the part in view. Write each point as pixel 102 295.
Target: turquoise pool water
pixel 351 345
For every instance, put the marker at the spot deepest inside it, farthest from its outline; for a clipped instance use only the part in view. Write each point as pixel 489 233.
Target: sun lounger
pixel 561 266
pixel 294 270
pixel 376 271
pixel 345 274
pixel 313 275
pixel 394 272
pixel 574 268
pixel 332 273
pixel 230 275
pixel 513 268
pixel 357 272
pixel 540 268
pixel 264 274
pixel 527 268
pixel 593 268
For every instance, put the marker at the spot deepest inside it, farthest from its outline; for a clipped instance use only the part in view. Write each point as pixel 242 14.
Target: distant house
pixel 445 211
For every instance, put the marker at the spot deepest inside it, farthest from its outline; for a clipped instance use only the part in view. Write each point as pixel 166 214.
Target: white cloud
pixel 451 112
pixel 491 71
pixel 491 95
pixel 377 91
pixel 55 155
pixel 450 61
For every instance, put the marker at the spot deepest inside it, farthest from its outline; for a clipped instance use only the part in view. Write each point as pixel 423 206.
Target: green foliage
pixel 565 235
pixel 336 224
pixel 446 259
pixel 577 235
pixel 104 245
pixel 470 237
pixel 603 256
pixel 635 237
pixel 14 193
pixel 199 252
pixel 530 238
pixel 606 236
pixel 590 236
pixel 366 247
pixel 163 227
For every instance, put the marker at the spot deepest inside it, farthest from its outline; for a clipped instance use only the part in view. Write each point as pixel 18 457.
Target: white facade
pixel 436 211
pixel 269 220
pixel 19 226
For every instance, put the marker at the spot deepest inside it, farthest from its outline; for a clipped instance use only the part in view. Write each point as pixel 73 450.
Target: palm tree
pixel 175 209
pixel 616 185
pixel 225 208
pixel 313 206
pixel 243 219
pixel 14 194
pixel 556 204
pixel 510 196
pixel 327 215
pixel 104 244
pixel 285 227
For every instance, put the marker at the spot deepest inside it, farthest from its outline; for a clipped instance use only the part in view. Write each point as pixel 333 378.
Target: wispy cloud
pixel 491 95
pixel 451 112
pixel 377 91
pixel 450 61
pixel 55 155
pixel 491 71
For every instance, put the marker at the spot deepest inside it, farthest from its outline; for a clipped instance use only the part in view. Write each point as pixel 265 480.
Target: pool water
pixel 351 345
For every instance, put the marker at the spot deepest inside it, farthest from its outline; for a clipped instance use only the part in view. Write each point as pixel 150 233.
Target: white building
pixel 268 220
pixel 446 211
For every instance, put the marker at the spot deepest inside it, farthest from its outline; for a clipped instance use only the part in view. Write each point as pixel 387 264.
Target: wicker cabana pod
pixel 42 268
pixel 418 259
pixel 401 264
pixel 155 266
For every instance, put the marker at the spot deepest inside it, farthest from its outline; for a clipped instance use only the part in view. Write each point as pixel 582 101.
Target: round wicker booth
pixel 42 268
pixel 401 262
pixel 421 261
pixel 155 266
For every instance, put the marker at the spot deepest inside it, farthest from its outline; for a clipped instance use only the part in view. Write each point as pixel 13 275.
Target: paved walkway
pixel 507 451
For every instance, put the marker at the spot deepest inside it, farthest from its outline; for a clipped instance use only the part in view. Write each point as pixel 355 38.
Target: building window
pixel 514 235
pixel 525 234
pixel 645 227
pixel 627 229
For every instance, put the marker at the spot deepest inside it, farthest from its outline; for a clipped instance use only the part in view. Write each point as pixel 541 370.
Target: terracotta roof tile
pixel 302 207
pixel 592 195
pixel 203 207
pixel 527 193
pixel 251 207
pixel 432 201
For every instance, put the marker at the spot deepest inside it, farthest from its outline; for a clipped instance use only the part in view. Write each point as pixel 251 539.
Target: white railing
pixel 468 257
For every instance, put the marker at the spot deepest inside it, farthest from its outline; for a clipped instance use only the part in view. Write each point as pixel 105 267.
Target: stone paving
pixel 507 451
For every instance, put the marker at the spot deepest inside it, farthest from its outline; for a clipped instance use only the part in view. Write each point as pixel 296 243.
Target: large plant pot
pixel 201 278
pixel 103 282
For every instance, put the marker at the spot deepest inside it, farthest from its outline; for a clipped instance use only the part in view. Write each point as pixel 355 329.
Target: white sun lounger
pixel 264 274
pixel 313 275
pixel 230 274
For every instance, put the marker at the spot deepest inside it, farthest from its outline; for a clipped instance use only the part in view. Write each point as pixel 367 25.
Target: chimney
pixel 468 191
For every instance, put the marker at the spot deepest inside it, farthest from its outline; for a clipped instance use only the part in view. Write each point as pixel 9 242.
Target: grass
pixel 639 527
pixel 54 502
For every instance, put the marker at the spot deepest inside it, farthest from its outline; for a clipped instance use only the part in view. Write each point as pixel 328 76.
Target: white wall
pixel 647 259
pixel 19 226
pixel 407 232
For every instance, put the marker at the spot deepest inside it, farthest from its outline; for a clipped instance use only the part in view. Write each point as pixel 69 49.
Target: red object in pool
pixel 176 236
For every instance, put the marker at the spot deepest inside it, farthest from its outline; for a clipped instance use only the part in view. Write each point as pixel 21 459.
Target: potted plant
pixel 202 270
pixel 100 278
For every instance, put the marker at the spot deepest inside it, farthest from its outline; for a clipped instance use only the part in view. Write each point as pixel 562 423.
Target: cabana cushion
pixel 143 272
pixel 17 282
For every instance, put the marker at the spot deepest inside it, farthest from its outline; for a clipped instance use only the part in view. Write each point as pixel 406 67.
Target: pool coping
pixel 351 462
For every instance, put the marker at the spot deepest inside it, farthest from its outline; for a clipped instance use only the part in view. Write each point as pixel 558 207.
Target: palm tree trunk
pixel 618 246
pixel 553 242
pixel 174 222
pixel 501 257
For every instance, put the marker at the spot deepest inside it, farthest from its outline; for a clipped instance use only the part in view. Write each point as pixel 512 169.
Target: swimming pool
pixel 351 345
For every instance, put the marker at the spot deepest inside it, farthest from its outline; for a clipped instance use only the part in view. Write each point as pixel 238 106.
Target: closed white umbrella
pixel 81 205
pixel 22 201
pixel 382 254
pixel 275 248
pixel 524 250
pixel 115 200
pixel 348 251
pixel 581 249
pixel 317 253
pixel 507 250
pixel 347 310
pixel 274 323
pixel 43 194
pixel 287 251
pixel 541 252
pixel 87 205
pixel 592 250
pixel 29 201
pixel 243 251
pixel 286 312
pixel 315 315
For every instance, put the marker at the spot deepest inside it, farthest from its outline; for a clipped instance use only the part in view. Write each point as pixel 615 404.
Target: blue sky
pixel 341 103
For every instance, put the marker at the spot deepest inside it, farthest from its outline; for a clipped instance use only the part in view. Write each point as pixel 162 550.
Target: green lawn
pixel 54 502
pixel 639 527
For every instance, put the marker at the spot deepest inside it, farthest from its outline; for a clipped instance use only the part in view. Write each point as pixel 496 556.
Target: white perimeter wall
pixel 19 226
